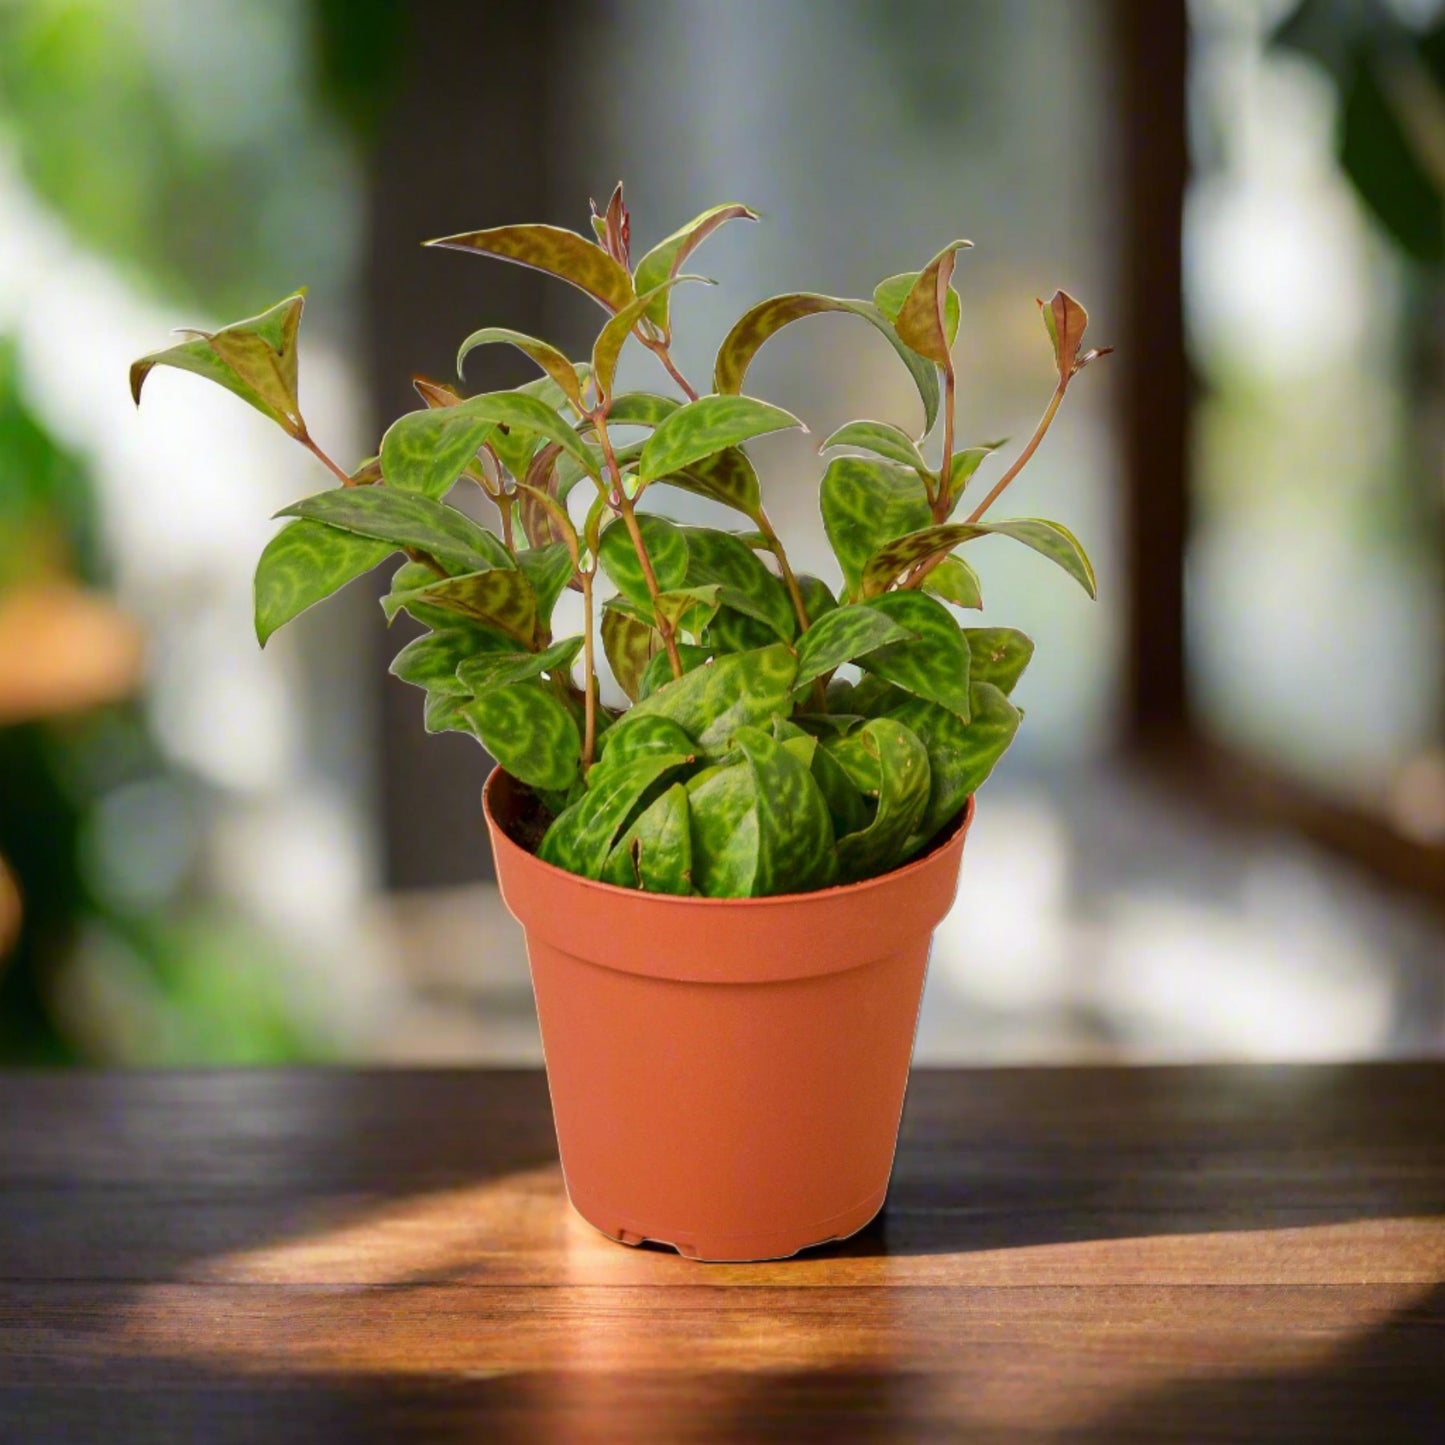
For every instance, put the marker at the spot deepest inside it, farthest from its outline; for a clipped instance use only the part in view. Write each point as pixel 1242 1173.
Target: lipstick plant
pixel 747 764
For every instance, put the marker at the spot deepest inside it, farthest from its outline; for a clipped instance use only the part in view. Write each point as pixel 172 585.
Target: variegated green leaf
pixel 406 519
pixel 955 581
pixel 922 320
pixel 634 737
pixel 520 412
pixel 666 550
pixel 667 257
pixel 846 805
pixel 1051 540
pixel 658 672
pixel 548 569
pixel 431 661
pixel 795 831
pixel 500 598
pixel 769 317
pixel 936 666
pixel 865 505
pixel 641 408
pixel 255 359
pixel 655 853
pixel 426 451
pixel 999 656
pixel 818 597
pixel 960 755
pixel 890 295
pixel 894 558
pixel 553 250
pixel 582 837
pixel 630 645
pixel 723 814
pixel 552 361
pixel 302 564
pixel 734 631
pixel 745 585
pixel 613 337
pixel 712 702
pixel 843 636
pixel 706 426
pixel 903 792
pixel 516 445
pixel 445 712
pixel 529 732
pixel 881 438
pixel 966 463
pixel 726 476
pixel 501 669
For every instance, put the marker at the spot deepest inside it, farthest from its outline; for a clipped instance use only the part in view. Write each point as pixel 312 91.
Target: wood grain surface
pixel 1094 1254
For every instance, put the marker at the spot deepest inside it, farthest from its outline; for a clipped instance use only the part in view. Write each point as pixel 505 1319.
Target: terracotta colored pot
pixel 727 1075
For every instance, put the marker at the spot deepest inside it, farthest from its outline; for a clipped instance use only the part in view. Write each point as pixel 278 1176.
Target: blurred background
pixel 1221 834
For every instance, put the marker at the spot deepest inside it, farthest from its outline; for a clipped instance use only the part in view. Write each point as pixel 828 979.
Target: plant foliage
pixel 749 762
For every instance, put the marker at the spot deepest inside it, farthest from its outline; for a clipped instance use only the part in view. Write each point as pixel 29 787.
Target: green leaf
pixel 500 597
pixel 630 645
pixel 706 426
pixel 818 597
pixel 255 359
pixel 846 806
pixel 966 463
pixel 553 250
pixel 842 636
pixel 745 584
pixel 655 853
pixel 580 839
pixel 883 439
pixel 431 661
pixel 936 666
pixel 516 445
pixel 866 504
pixel 520 412
pixel 666 550
pixel 723 814
pixel 1051 540
pixel 890 295
pixel 667 257
pixel 795 831
pixel 712 702
pixel 922 319
pixel 903 792
pixel 426 451
pixel 304 563
pixel 658 672
pixel 641 408
pixel 529 732
pixel 769 317
pixel 502 669
pixel 445 712
pixel 406 519
pixel 548 569
pixel 955 581
pixel 734 631
pixel 726 476
pixel 999 656
pixel 894 558
pixel 613 337
pixel 552 361
pixel 639 737
pixel 960 755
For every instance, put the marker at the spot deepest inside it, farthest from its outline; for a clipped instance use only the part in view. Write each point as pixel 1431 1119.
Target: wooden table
pixel 1090 1254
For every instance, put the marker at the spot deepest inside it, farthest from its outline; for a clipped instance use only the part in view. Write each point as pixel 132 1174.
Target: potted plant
pixel 728 887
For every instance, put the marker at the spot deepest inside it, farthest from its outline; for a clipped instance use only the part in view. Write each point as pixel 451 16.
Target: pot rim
pixel 952 832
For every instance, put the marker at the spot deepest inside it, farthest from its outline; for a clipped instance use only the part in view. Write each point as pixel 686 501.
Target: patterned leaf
pixel 727 477
pixel 667 257
pixel 890 295
pixel 613 337
pixel 866 504
pixel 500 597
pixel 255 359
pixel 960 755
pixel 529 732
pixel 580 839
pixel 882 439
pixel 706 426
pixel 641 408
pixel 818 597
pixel 922 321
pixel 712 702
pixel 903 792
pixel 723 813
pixel 304 563
pixel 406 519
pixel 426 451
pixel 630 645
pixel 501 669
pixel 746 585
pixel 999 656
pixel 544 518
pixel 556 251
pixel 516 445
pixel 955 581
pixel 658 672
pixel 966 463
pixel 639 737
pixel 557 366
pixel 936 666
pixel 655 853
pixel 844 635
pixel 845 801
pixel 734 631
pixel 431 661
pixel 769 317
pixel 795 830
pixel 890 561
pixel 666 549
pixel 548 570
pixel 1051 540
pixel 520 412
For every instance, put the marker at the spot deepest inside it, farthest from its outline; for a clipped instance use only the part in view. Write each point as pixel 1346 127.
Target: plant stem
pixel 625 508
pixel 790 581
pixel 589 675
pixel 660 350
pixel 305 439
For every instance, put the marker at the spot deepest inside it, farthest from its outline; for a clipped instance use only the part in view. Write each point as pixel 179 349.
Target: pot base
pixel 714 1248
